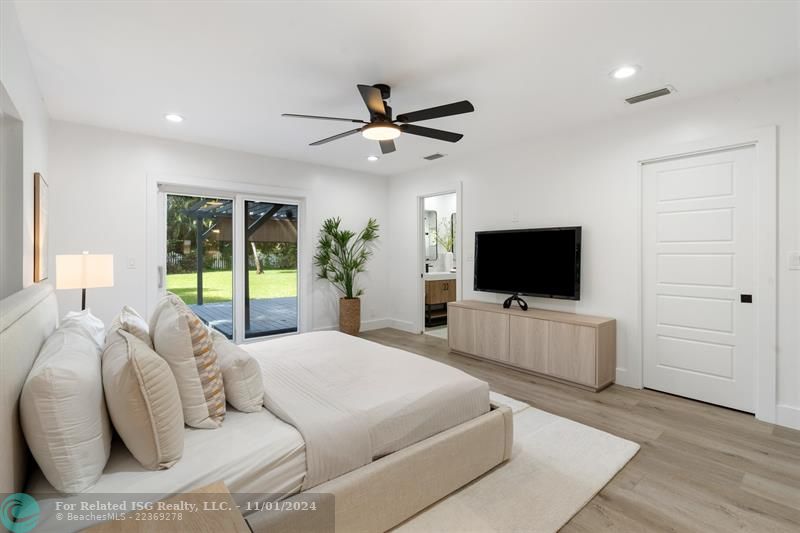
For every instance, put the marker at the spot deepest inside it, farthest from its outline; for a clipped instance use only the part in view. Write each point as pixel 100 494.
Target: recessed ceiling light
pixel 625 71
pixel 372 158
pixel 173 117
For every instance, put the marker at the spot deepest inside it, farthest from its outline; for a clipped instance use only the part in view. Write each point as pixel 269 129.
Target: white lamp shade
pixel 84 271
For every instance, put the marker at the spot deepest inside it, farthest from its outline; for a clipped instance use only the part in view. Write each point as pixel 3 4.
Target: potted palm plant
pixel 341 255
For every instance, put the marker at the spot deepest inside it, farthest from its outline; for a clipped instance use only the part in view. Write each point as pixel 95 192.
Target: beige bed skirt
pixel 386 492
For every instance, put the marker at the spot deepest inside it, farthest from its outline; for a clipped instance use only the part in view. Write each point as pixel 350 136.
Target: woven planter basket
pixel 350 315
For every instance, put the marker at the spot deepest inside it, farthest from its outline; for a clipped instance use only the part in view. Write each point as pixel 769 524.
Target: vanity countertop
pixel 434 276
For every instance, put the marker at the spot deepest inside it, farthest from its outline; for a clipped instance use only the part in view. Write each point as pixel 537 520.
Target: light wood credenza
pixel 576 349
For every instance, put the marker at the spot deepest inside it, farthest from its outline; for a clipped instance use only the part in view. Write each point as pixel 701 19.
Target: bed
pixel 385 440
pixel 263 455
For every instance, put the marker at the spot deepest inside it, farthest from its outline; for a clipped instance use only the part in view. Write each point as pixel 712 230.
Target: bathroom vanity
pixel 440 289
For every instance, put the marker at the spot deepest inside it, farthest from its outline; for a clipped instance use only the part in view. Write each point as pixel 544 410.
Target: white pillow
pixel 63 412
pixel 241 374
pixel 183 341
pixel 90 324
pixel 143 401
pixel 132 322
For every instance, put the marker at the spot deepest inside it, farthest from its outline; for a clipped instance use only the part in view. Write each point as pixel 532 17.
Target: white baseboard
pixel 376 323
pixel 402 325
pixel 626 379
pixel 366 325
pixel 788 415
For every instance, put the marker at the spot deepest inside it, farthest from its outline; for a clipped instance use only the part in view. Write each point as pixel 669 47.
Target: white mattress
pixel 403 397
pixel 251 452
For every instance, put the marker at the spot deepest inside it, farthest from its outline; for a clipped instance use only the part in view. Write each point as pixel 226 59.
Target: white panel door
pixel 698 260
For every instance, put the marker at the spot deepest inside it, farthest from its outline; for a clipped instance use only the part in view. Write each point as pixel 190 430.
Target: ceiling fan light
pixel 380 132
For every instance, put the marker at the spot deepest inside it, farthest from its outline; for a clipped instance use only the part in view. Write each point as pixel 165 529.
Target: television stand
pixel 576 349
pixel 515 298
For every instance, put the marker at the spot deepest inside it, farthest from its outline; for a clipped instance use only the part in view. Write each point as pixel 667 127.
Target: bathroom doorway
pixel 439 238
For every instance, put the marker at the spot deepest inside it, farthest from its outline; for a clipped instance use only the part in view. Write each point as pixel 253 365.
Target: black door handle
pixel 746 298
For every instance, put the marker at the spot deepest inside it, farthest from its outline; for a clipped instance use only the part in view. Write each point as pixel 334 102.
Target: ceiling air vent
pixel 433 157
pixel 649 96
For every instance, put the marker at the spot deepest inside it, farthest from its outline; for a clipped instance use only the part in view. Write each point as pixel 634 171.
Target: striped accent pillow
pixel 183 341
pixel 207 367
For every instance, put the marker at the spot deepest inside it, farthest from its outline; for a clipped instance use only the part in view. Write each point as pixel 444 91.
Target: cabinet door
pixel 450 291
pixel 436 292
pixel 528 343
pixel 461 329
pixel 491 338
pixel 430 292
pixel 571 353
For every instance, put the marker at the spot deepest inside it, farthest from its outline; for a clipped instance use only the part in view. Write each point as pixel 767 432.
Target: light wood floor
pixel 700 467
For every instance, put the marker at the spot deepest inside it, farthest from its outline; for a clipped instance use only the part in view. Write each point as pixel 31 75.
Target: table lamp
pixel 84 271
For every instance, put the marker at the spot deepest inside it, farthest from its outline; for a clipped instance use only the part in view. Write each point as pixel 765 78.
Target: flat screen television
pixel 543 262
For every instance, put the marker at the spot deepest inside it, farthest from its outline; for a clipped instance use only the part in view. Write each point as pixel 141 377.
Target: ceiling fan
pixel 382 128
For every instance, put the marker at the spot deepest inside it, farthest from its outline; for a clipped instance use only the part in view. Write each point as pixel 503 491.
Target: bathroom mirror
pixel 453 231
pixel 431 248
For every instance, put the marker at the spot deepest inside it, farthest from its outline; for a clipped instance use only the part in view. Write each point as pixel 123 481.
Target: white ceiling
pixel 231 68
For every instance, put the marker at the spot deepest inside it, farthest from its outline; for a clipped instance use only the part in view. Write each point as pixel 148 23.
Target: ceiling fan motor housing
pixel 386 91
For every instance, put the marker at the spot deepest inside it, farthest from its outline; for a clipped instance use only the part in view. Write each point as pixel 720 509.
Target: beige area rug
pixel 556 467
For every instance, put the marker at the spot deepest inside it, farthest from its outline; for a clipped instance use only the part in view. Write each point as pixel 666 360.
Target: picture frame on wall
pixel 40 233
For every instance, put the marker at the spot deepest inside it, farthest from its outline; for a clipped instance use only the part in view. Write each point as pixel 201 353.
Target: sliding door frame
pixel 158 186
pixel 239 248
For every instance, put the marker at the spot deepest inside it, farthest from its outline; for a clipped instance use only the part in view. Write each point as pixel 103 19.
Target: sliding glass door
pixel 233 261
pixel 270 284
pixel 200 257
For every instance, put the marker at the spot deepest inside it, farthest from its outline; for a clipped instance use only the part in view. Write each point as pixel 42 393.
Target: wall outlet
pixel 794 260
pixel 131 262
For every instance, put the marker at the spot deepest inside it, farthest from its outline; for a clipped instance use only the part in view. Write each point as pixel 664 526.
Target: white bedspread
pixel 354 400
pixel 252 452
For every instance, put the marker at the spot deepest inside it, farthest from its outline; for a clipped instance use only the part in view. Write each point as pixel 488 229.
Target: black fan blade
pixel 447 110
pixel 387 147
pixel 339 136
pixel 292 115
pixel 372 97
pixel 442 135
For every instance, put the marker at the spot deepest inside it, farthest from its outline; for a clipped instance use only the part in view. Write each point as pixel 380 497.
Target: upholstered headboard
pixel 27 318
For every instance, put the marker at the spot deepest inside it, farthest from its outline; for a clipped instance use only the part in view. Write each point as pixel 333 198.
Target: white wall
pixel 16 75
pixel 11 196
pixel 98 197
pixel 588 177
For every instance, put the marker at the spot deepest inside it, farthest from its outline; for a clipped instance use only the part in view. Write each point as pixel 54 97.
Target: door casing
pixel 419 325
pixel 764 141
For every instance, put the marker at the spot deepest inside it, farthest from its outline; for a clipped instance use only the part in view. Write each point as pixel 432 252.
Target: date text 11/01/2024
pixel 279 506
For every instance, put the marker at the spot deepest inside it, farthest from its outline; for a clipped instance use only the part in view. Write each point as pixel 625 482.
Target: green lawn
pixel 217 285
